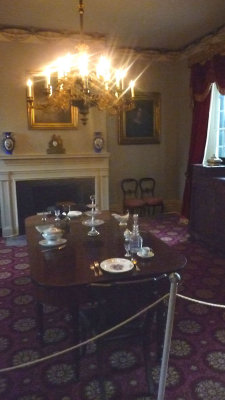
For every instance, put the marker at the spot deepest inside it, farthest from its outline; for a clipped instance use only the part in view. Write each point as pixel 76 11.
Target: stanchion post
pixel 174 279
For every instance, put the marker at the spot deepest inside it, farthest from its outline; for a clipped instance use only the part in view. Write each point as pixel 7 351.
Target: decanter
pixel 135 237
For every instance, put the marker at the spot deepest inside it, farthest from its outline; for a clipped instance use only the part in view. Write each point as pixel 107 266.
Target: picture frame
pixel 48 117
pixel 141 124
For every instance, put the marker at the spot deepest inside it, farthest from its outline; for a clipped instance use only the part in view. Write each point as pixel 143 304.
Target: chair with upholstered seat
pixel 147 188
pixel 131 201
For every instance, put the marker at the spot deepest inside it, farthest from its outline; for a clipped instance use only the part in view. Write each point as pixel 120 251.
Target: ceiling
pixel 153 24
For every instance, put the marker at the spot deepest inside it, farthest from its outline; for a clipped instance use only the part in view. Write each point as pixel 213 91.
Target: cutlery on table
pixel 96 264
pixel 92 267
pixel 136 265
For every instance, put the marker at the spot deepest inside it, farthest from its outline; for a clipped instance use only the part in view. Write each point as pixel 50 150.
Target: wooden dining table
pixel 62 275
pixel 69 266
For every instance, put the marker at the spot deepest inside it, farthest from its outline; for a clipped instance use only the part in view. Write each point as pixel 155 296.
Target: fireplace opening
pixel 40 195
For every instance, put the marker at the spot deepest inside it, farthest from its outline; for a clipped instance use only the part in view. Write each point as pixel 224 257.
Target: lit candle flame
pixel 103 69
pixel 83 64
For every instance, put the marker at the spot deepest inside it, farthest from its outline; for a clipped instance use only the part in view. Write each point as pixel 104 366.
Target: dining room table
pixel 62 274
pixel 68 265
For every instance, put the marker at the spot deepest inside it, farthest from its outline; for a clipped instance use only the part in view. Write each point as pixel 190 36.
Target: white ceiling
pixel 153 24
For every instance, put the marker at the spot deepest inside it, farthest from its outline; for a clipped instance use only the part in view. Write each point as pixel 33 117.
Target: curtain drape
pixel 202 77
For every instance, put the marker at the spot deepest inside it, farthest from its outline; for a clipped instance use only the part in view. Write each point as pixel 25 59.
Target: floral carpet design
pixel 197 357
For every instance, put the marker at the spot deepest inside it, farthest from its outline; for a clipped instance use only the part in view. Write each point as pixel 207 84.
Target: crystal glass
pixel 127 248
pixel 135 237
pixel 57 214
pixel 66 210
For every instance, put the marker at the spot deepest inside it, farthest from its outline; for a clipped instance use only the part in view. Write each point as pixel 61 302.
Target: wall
pixel 166 161
pixel 19 60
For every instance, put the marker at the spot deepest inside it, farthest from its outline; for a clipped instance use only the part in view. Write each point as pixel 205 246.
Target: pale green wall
pixel 166 161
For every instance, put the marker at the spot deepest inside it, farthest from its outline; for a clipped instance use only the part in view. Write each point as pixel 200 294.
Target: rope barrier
pixel 77 346
pixel 201 302
pixel 102 334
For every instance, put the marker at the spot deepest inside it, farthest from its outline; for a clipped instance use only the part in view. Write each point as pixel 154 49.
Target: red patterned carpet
pixel 197 358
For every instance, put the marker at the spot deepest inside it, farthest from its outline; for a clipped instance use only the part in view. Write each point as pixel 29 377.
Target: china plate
pixel 52 244
pixel 95 222
pixel 150 254
pixel 74 213
pixel 117 265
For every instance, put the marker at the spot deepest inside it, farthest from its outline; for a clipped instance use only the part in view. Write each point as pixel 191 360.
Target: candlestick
pixel 132 88
pixel 48 78
pixel 29 88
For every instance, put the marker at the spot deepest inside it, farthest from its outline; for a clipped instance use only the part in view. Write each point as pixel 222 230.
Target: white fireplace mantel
pixel 15 168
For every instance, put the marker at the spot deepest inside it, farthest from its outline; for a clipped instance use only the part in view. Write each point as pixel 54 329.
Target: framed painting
pixel 141 125
pixel 42 117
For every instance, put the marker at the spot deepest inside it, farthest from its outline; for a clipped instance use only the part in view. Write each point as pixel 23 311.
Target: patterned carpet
pixel 197 358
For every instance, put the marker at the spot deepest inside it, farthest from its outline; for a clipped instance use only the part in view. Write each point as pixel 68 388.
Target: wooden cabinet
pixel 207 217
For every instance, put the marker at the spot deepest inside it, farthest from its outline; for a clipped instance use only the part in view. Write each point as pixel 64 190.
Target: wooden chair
pixel 131 201
pixel 117 301
pixel 147 188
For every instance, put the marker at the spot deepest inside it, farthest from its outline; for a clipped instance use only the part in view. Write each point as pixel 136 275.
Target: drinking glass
pixel 127 247
pixel 57 214
pixel 66 210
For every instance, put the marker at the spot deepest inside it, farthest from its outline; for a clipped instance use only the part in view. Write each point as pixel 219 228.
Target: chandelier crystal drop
pixel 83 81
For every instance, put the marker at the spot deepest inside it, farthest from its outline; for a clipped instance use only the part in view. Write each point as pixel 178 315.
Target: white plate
pixel 150 254
pixel 96 222
pixel 117 265
pixel 74 213
pixel 52 244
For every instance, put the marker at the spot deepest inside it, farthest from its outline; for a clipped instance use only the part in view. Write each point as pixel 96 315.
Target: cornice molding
pixel 198 51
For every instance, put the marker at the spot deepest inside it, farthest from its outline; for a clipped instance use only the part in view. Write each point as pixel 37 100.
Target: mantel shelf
pixel 52 156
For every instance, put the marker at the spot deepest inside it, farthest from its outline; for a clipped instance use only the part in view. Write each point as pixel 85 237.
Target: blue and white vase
pixel 8 142
pixel 98 142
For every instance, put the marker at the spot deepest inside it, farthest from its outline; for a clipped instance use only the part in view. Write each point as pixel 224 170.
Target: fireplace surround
pixel 52 167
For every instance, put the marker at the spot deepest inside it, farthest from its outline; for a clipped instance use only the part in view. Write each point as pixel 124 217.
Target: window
pixel 221 141
pixel 215 143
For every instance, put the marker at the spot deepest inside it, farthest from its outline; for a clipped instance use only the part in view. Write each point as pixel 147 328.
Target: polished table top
pixel 70 266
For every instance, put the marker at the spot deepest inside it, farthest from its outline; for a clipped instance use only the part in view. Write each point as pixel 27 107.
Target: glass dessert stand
pixel 93 222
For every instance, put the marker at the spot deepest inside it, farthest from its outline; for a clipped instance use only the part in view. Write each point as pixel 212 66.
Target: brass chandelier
pixel 81 81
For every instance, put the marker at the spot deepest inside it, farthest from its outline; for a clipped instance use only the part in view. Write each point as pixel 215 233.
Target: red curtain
pixel 202 77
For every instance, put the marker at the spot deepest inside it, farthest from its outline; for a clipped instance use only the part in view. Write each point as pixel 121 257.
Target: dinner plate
pixel 150 255
pixel 52 243
pixel 74 213
pixel 117 265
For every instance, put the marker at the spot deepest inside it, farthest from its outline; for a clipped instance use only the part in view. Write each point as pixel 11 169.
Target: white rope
pixel 100 335
pixel 29 363
pixel 201 302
